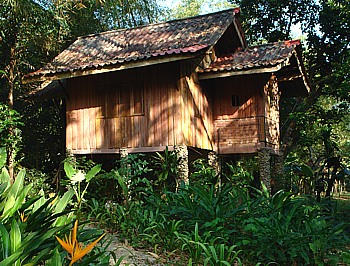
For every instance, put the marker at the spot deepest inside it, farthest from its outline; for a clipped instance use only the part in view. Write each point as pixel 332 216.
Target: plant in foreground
pixel 73 247
pixel 76 177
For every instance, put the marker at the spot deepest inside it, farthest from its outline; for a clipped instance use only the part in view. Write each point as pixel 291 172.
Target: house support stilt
pixel 214 161
pixel 277 173
pixel 182 165
pixel 264 157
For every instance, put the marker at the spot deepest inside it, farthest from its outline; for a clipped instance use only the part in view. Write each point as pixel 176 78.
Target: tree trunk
pixel 11 80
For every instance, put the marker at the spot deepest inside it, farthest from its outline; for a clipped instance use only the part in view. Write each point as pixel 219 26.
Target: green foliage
pixel 272 20
pixel 27 226
pixel 10 119
pixel 203 174
pixel 227 224
pixel 289 230
pixel 166 168
pixel 77 178
pixel 132 178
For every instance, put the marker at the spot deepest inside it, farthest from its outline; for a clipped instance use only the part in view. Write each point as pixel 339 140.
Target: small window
pixel 109 101
pixel 137 100
pixel 131 100
pixel 121 100
pixel 235 101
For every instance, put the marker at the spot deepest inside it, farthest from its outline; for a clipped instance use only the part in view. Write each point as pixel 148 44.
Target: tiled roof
pixel 267 55
pixel 156 40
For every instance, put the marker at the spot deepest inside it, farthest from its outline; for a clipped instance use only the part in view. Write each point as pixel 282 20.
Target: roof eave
pixel 230 73
pixel 51 76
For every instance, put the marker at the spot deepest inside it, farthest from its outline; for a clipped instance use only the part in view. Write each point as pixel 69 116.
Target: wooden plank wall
pixel 196 113
pixel 239 129
pixel 97 122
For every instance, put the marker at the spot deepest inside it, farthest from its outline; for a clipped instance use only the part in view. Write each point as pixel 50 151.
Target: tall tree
pixel 22 27
pixel 272 20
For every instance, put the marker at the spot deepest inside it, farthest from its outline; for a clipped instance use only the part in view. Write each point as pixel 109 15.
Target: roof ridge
pixel 235 10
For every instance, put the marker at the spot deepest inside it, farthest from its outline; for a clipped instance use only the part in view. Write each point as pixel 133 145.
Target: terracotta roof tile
pixel 174 37
pixel 270 54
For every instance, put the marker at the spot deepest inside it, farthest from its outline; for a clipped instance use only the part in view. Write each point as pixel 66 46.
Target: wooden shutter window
pixel 131 100
pixel 124 100
pixel 137 100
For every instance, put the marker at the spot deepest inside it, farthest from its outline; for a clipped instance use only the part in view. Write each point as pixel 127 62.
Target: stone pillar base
pixel 182 164
pixel 214 161
pixel 278 180
pixel 264 158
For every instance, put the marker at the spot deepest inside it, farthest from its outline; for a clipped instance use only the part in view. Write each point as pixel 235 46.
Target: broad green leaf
pixel 69 170
pixel 56 259
pixel 20 199
pixel 306 170
pixel 5 177
pixel 18 184
pixel 10 201
pixel 11 259
pixel 62 202
pixel 41 255
pixel 5 242
pixel 3 187
pixel 15 236
pixel 346 257
pixel 39 203
pixel 3 157
pixel 36 240
pixel 93 172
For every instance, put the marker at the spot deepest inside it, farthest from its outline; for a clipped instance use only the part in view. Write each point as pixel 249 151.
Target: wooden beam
pixel 302 71
pixel 240 33
pixel 244 148
pixel 117 151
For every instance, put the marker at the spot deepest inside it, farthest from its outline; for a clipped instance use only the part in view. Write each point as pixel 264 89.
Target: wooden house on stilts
pixel 185 84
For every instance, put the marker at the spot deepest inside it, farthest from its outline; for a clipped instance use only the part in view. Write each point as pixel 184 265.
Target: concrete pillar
pixel 182 165
pixel 264 158
pixel 123 152
pixel 125 173
pixel 214 161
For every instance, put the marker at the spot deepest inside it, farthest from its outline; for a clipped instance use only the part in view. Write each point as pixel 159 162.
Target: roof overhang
pixel 59 75
pixel 290 72
pixel 49 90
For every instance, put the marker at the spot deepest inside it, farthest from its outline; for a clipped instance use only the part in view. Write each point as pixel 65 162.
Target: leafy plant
pixel 28 226
pixel 165 169
pixel 77 177
pixel 287 229
pixel 220 255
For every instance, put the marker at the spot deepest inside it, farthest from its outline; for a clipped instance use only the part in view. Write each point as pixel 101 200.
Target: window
pixel 109 101
pixel 235 101
pixel 122 100
pixel 131 100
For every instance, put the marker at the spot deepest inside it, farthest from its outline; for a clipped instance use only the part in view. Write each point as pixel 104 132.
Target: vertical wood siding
pixel 196 114
pixel 244 121
pixel 144 107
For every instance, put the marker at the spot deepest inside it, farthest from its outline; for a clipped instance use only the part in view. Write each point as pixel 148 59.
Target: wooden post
pixel 264 158
pixel 182 165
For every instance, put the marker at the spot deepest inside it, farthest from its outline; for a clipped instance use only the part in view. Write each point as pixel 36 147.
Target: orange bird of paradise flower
pixel 73 247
